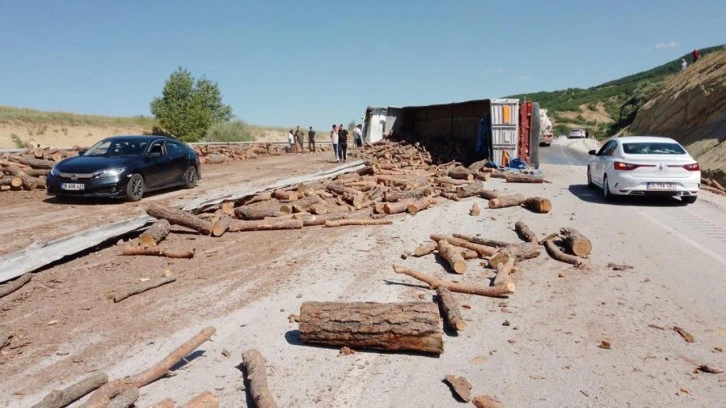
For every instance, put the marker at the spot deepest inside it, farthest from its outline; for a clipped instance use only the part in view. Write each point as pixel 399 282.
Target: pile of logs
pixel 217 153
pixel 28 170
pixel 712 185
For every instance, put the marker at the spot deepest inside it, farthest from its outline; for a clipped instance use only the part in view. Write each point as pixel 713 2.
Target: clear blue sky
pixel 320 62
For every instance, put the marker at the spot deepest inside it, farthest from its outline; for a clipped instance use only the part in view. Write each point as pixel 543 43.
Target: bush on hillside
pixel 229 132
pixel 187 108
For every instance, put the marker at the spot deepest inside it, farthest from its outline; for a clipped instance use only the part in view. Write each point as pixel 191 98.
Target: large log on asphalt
pixel 300 205
pixel 518 252
pixel 503 277
pixel 258 211
pixel 469 288
pixel 221 225
pixel 453 257
pixel 284 195
pixel 395 207
pixel 575 242
pixel 470 190
pixel 425 249
pixel 489 194
pixel 450 309
pixel 538 204
pixel 483 241
pixel 357 221
pixel 68 395
pixel 421 204
pixel 461 173
pixel 181 218
pixel 155 234
pixel 405 195
pixel 266 225
pixel 410 326
pixel 507 201
pixel 556 253
pixel 482 250
pixel 523 178
pixel 524 233
pixel 256 376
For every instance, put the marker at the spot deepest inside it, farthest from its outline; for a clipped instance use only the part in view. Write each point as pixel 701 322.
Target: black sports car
pixel 125 166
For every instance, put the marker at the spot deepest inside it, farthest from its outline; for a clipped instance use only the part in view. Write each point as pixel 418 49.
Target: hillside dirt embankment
pixel 691 108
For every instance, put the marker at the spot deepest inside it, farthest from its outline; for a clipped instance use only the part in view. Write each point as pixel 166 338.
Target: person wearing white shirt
pixel 358 136
pixel 334 139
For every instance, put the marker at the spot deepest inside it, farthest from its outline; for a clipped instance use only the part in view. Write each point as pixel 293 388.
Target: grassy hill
pixel 607 108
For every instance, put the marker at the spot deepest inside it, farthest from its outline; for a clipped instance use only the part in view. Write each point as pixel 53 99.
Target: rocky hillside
pixel 690 107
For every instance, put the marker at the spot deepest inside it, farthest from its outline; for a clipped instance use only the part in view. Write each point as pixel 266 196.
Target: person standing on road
pixel 291 141
pixel 334 140
pixel 343 143
pixel 311 140
pixel 358 136
pixel 299 139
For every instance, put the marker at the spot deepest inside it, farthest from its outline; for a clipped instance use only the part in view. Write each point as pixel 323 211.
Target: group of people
pixel 695 54
pixel 338 136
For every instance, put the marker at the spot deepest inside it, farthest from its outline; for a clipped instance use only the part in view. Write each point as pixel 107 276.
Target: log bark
pixel 472 289
pixel 256 376
pixel 524 233
pixel 68 395
pixel 395 207
pixel 517 252
pixel 450 309
pixel 266 225
pixel 34 163
pixel 456 262
pixel 482 250
pixel 385 326
pixel 503 277
pixel 221 225
pixel 227 207
pixel 141 287
pixel 14 285
pixel 181 218
pixel 393 196
pixel 507 201
pixel 421 204
pixel 575 242
pixel 165 403
pixel 258 198
pixel 470 190
pixel 126 399
pixel 483 241
pixel 156 251
pixel 318 209
pixel 357 221
pixel 284 195
pixel 259 211
pixel 14 182
pixel 538 204
pixel 155 234
pixel 301 204
pixel 523 178
pixel 461 173
pixel 444 181
pixel 489 194
pixel 203 400
pixel 557 254
pixel 425 249
pixel 485 401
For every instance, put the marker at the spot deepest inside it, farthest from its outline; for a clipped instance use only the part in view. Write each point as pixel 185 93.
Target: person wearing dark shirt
pixel 311 140
pixel 343 143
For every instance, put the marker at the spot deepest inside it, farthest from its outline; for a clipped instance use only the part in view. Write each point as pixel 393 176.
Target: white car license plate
pixel 73 186
pixel 661 186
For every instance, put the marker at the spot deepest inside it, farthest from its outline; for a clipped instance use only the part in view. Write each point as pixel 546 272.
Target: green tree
pixel 187 108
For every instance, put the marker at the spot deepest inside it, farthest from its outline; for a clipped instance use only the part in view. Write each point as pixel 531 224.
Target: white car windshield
pixel 108 148
pixel 653 148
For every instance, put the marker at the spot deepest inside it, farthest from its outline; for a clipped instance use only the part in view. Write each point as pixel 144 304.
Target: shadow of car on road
pixel 594 195
pixel 51 199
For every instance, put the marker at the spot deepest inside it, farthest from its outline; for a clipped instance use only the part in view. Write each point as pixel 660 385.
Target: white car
pixel 644 165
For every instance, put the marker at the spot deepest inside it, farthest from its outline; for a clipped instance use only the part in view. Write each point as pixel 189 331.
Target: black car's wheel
pixel 191 177
pixel 689 199
pixel 135 188
pixel 606 190
pixel 590 184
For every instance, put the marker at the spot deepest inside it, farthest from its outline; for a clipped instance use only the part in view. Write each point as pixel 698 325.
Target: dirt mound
pixel 691 108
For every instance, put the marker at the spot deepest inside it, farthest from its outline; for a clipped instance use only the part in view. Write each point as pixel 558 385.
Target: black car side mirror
pixel 592 153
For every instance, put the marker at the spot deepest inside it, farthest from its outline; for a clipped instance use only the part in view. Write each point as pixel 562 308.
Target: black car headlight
pixel 54 171
pixel 115 172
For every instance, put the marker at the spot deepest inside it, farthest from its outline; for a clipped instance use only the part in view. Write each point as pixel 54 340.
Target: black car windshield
pixel 653 148
pixel 113 148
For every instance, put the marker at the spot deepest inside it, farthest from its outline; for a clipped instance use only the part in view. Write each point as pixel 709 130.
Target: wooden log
pixel 266 225
pixel 507 201
pixel 301 204
pixel 227 207
pixel 503 277
pixel 469 288
pixel 469 254
pixel 576 243
pixel 392 196
pixel 259 211
pixel 489 194
pixel 36 172
pixel 396 207
pixel 42 183
pixel 357 221
pixel 68 395
pixel 475 211
pixel 203 400
pixel 284 195
pixel 28 182
pixel 524 233
pixel 318 209
pixel 482 250
pixel 141 287
pixel 38 153
pixel 461 173
pixel 257 198
pixel 13 182
pixel 221 225
pixel 485 401
pixel 523 178
pixel 15 284
pixel 345 177
pixel 410 326
pixel 444 181
pixel 450 309
pixel 216 159
pixel 425 249
pixel 179 217
pixel 538 204
pixel 421 204
pixel 126 399
pixel 517 252
pixel 483 241
pixel 452 256
pixel 165 403
pixel 470 190
pixel 256 376
pixel 156 251
pixel 557 254
pixel 155 234
pixel 34 163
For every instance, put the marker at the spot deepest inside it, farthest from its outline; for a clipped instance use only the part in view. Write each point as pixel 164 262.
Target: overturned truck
pixel 500 130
